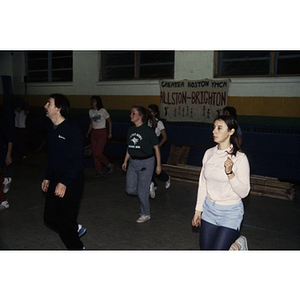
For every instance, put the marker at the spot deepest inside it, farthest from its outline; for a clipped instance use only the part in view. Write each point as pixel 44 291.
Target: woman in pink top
pixel 223 182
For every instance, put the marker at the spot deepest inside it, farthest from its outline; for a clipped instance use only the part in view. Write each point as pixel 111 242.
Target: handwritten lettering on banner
pixel 193 100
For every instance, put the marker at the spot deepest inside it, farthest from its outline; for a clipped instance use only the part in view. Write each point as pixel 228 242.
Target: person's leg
pixel 23 138
pixel 3 201
pixel 207 235
pixel 68 212
pixel 95 139
pixel 101 145
pixel 224 238
pixel 51 205
pixel 163 176
pixel 131 178
pixel 145 172
pixel 2 195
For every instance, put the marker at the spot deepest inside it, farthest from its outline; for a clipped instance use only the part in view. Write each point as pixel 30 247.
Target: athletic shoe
pixel 6 184
pixel 98 175
pixel 4 205
pixel 242 241
pixel 110 168
pixel 152 190
pixel 168 183
pixel 143 218
pixel 81 230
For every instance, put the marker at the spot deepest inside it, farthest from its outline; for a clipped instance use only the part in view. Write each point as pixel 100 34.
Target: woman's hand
pixel 124 166
pixel 228 165
pixel 158 170
pixel 196 221
pixel 8 159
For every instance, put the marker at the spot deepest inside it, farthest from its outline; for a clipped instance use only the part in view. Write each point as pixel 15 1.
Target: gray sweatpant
pixel 138 179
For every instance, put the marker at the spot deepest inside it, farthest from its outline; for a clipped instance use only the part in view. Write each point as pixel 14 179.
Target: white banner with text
pixel 193 100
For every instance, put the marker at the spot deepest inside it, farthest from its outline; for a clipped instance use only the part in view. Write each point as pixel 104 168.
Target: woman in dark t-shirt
pixel 142 146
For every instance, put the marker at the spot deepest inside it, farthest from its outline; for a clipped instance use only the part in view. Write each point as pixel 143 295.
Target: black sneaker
pixel 98 175
pixel 110 168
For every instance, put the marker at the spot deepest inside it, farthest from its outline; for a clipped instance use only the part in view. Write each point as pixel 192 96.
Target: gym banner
pixel 193 100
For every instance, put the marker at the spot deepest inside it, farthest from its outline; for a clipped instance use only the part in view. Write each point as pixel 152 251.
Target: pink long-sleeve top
pixel 215 184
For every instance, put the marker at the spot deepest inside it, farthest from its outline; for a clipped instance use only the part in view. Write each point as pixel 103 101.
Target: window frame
pixel 274 57
pixel 49 69
pixel 137 65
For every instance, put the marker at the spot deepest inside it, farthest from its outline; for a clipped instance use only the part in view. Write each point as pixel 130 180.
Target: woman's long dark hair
pixel 231 124
pixel 98 100
pixel 151 117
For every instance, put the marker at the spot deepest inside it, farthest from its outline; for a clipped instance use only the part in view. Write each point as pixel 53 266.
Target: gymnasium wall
pixel 268 108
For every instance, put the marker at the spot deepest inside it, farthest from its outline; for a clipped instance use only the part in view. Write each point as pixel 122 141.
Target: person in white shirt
pixel 20 132
pixel 99 115
pixel 224 180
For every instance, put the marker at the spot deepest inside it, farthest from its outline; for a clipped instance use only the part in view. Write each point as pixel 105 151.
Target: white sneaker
pixel 4 205
pixel 152 190
pixel 6 184
pixel 81 230
pixel 143 218
pixel 242 242
pixel 168 183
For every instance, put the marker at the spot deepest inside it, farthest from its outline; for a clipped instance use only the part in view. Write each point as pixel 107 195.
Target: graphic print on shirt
pixel 96 118
pixel 135 138
pixel 61 137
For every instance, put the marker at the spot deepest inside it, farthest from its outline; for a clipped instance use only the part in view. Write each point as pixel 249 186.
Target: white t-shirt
pixel 99 117
pixel 20 119
pixel 160 126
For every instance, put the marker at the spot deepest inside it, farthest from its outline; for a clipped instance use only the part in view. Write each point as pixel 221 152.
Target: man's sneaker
pixel 152 190
pixel 81 230
pixel 6 184
pixel 168 183
pixel 242 241
pixel 4 205
pixel 143 218
pixel 110 168
pixel 98 175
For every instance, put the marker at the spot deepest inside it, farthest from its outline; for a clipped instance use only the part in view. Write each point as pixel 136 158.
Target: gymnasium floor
pixel 109 215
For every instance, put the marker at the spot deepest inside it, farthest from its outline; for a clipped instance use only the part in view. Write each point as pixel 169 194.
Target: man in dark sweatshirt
pixel 63 179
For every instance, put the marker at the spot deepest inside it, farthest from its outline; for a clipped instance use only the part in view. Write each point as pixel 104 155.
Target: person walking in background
pixel 5 159
pixel 63 180
pixel 21 112
pixel 139 159
pixel 231 111
pixel 224 180
pixel 161 133
pixel 99 115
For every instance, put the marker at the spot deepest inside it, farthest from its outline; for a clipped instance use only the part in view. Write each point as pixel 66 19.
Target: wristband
pixel 229 173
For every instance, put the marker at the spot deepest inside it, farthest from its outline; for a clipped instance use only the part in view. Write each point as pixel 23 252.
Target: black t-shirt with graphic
pixel 141 140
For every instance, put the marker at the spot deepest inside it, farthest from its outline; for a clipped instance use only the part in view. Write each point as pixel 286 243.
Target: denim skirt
pixel 230 216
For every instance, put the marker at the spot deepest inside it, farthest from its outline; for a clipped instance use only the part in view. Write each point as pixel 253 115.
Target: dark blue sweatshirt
pixel 65 156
